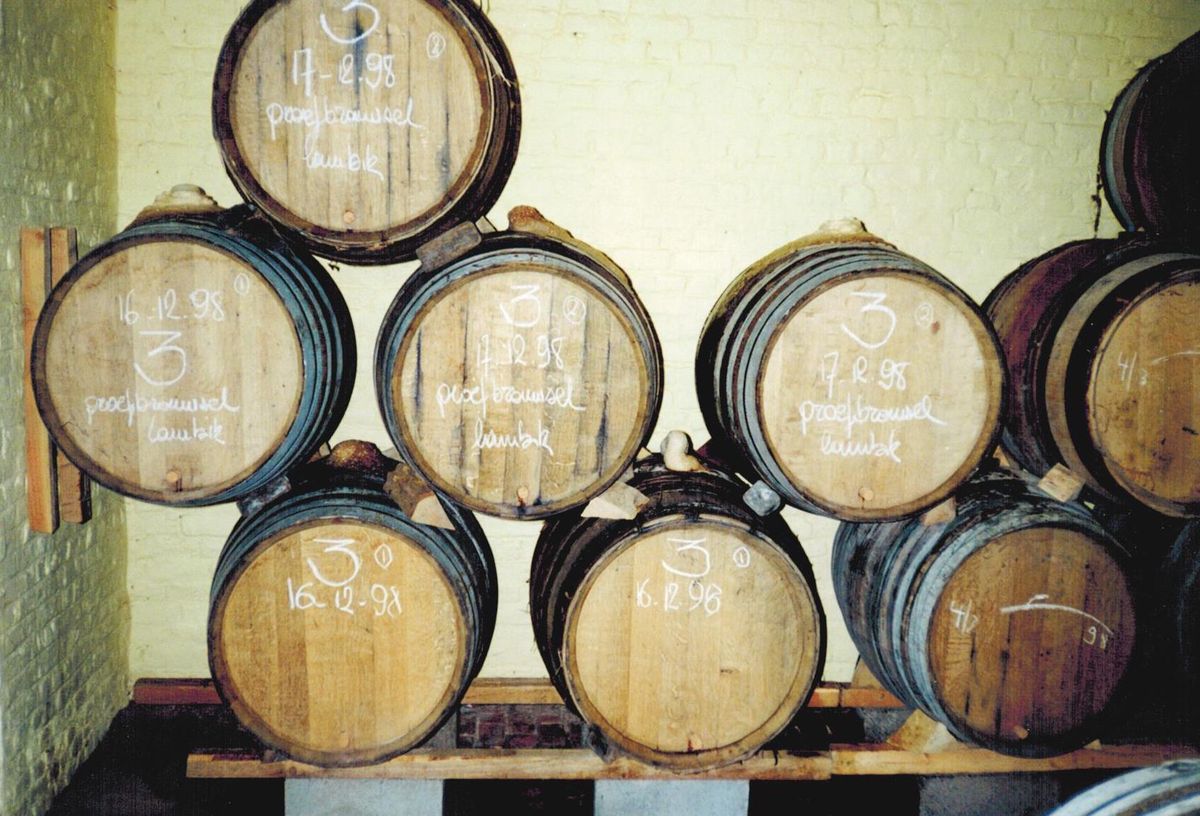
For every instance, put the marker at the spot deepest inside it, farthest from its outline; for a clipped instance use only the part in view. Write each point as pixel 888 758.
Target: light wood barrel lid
pixel 172 370
pixel 520 391
pixel 693 643
pixel 1143 395
pixel 879 394
pixel 339 643
pixel 363 125
pixel 1031 636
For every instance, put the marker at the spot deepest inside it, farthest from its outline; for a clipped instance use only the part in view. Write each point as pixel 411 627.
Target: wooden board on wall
pixel 57 490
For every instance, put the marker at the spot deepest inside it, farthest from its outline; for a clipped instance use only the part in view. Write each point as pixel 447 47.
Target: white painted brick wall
pixel 64 617
pixel 688 139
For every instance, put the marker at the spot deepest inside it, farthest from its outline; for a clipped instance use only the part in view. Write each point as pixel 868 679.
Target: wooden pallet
pixel 919 748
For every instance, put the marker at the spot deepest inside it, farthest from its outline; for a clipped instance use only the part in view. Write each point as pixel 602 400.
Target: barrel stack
pixel 518 375
pixel 1100 334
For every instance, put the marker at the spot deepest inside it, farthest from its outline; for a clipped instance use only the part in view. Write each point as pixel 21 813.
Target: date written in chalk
pixel 685 588
pixel 333 586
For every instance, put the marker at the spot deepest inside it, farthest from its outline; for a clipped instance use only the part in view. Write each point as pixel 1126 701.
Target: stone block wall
pixel 64 616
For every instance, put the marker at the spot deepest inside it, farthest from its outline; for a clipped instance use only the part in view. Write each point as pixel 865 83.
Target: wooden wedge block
pixel 618 502
pixel 416 498
pixel 922 735
pixel 940 513
pixel 1060 483
pixel 862 677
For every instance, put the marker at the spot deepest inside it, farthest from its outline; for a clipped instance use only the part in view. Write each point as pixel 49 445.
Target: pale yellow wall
pixel 64 614
pixel 687 139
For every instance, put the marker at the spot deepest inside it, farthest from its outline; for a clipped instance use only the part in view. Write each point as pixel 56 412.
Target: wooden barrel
pixel 367 128
pixel 1148 153
pixel 193 359
pixel 1013 623
pixel 855 380
pixel 341 632
pixel 1169 789
pixel 1102 339
pixel 689 635
pixel 522 378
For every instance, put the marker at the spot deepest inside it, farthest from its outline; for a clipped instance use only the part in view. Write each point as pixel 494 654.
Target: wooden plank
pixel 880 760
pixel 175 691
pixel 74 488
pixel 580 763
pixel 484 691
pixel 825 697
pixel 511 691
pixel 42 501
pixel 507 763
pixel 869 698
pixel 488 691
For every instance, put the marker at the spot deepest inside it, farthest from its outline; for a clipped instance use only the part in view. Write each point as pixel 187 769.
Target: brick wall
pixel 687 140
pixel 63 605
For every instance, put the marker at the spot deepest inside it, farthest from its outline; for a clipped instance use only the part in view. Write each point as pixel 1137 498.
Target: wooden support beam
pixel 581 763
pixel 57 490
pixel 490 691
pixel 505 763
pixel 40 473
pixel 880 760
pixel 74 488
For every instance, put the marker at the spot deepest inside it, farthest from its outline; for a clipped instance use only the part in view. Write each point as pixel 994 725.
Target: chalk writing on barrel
pixel 1042 602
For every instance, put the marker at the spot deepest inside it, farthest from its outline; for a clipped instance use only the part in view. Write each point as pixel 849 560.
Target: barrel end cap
pixel 181 199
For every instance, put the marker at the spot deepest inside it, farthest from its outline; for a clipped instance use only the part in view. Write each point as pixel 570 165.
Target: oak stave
pixel 438 73
pixel 501 452
pixel 759 323
pixel 1096 339
pixel 682 707
pixel 351 689
pixel 1148 161
pixel 922 603
pixel 291 346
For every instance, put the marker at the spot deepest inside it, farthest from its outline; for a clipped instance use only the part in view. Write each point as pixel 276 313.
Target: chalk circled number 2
pixel 351 6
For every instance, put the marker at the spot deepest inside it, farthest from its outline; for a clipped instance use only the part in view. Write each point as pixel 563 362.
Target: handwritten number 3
pixel 338 545
pixel 876 305
pixel 353 4
pixel 167 346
